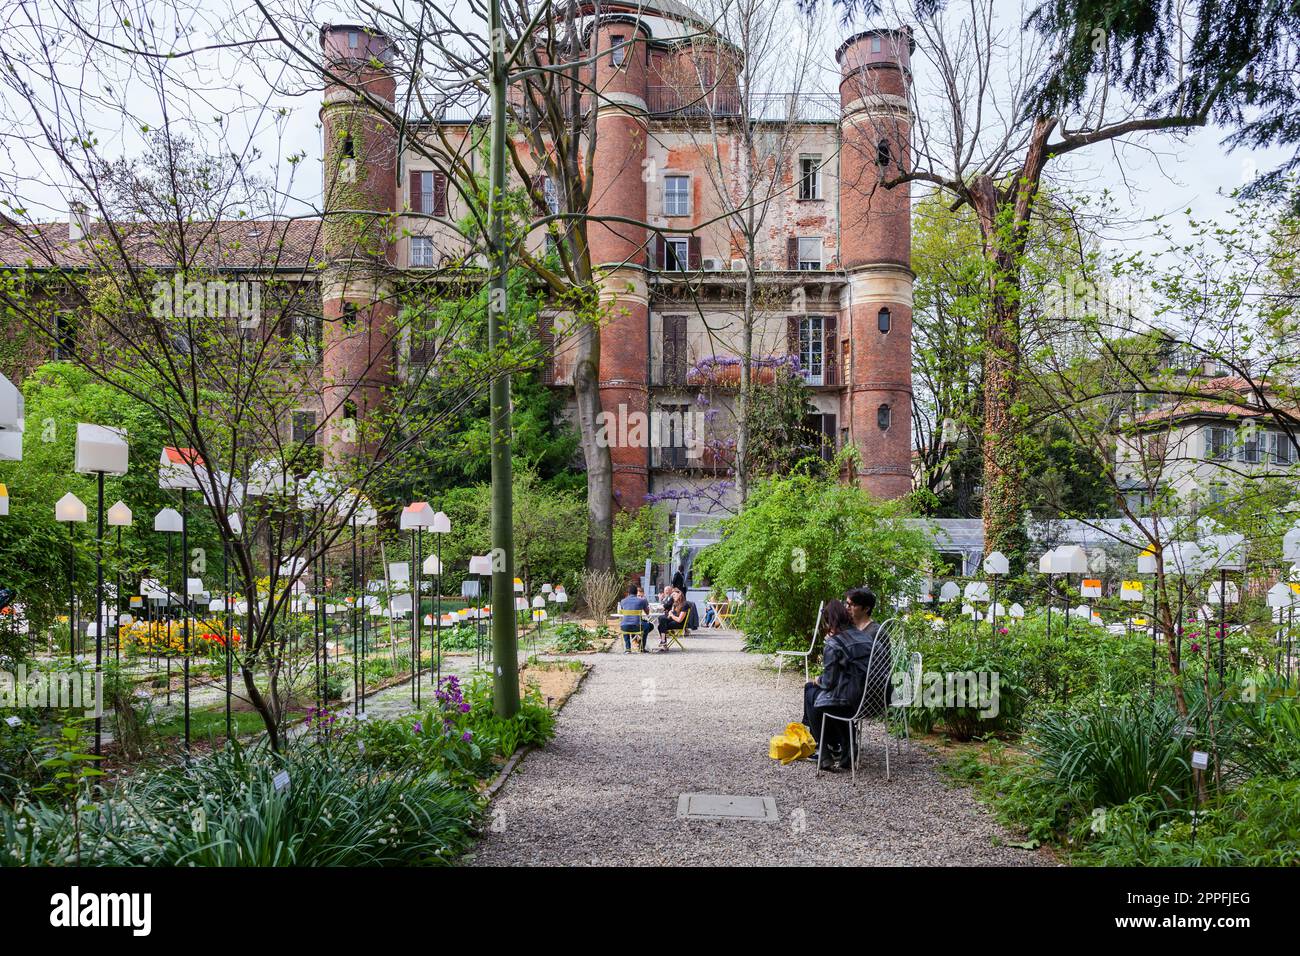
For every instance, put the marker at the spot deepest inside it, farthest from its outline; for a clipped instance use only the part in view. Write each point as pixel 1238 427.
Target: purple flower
pixel 418 727
pixel 467 736
pixel 464 708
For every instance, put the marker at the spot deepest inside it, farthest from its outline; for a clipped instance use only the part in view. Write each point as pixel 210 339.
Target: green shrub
pixel 1111 755
pixel 223 809
pixel 1257 824
pixel 571 637
pixel 1022 796
pixel 801 539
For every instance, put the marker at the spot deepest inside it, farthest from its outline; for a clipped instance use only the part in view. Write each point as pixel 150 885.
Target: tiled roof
pixel 227 244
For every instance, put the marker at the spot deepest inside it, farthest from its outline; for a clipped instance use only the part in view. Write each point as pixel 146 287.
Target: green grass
pixel 210 722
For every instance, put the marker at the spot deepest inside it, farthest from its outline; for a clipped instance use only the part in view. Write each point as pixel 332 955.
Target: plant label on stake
pixel 280 781
pixel 1091 588
pixel 14 721
pixel 1200 760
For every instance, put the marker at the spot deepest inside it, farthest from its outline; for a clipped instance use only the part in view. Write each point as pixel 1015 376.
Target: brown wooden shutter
pixel 661 255
pixel 674 361
pixel 439 194
pixel 792 334
pixel 694 263
pixel 546 338
pixel 831 350
pixel 828 431
pixel 417 200
pixel 792 253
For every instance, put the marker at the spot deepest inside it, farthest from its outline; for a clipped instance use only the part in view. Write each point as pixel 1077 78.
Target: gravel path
pixel 643 729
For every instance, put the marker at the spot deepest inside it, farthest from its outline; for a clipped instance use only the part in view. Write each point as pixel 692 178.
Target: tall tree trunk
pixel 746 375
pixel 600 467
pixel 1004 478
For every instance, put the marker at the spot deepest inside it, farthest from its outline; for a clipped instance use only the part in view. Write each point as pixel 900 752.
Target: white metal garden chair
pixel 899 704
pixel 806 655
pixel 875 694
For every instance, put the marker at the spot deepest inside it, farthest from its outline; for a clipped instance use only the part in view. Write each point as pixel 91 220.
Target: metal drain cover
pixel 720 806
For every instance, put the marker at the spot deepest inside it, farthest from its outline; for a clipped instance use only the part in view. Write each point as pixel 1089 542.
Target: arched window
pixel 884 415
pixel 882 153
pixel 883 321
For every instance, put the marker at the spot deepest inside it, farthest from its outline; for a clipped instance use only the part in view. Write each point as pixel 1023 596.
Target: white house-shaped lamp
pixel 179 469
pixel 69 508
pixel 168 520
pixel 997 563
pixel 100 450
pixel 119 515
pixel 418 514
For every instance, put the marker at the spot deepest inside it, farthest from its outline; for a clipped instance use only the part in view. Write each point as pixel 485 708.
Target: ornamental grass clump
pixel 230 808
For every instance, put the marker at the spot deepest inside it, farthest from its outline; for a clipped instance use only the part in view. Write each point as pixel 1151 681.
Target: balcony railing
pixel 676 101
pixel 686 102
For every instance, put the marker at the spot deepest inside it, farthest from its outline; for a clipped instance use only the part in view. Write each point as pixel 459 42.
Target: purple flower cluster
pixel 319 715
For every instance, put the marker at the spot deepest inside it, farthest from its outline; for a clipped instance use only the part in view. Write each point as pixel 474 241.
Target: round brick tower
pixel 876 251
pixel 618 250
pixel 360 173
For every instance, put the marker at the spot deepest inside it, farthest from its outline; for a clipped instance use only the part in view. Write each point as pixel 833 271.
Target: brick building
pixel 832 260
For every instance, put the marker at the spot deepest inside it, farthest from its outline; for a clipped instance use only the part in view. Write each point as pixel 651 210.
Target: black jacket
pixel 845 662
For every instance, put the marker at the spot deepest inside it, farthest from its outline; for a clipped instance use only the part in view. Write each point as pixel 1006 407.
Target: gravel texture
pixel 644 728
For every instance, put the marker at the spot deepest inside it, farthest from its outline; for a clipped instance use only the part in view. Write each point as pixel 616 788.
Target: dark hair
pixel 836 617
pixel 861 597
pixel 632 589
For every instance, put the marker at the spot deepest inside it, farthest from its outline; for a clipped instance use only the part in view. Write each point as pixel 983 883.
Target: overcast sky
pixel 1163 176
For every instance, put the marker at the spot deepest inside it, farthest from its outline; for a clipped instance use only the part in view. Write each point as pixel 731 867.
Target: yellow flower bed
pixel 168 637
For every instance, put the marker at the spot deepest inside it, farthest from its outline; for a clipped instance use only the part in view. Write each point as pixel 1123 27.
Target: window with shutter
pixel 439 194
pixel 832 351
pixel 812 346
pixel 693 251
pixel 304 427
pixel 677 254
pixel 810 177
pixel 809 254
pixel 546 340
pixel 792 253
pixel 417 192
pixel 674 346
pixel 1218 443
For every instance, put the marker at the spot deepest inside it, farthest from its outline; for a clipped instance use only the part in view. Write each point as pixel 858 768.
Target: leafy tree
pixel 58 395
pixel 802 539
pixel 1238 58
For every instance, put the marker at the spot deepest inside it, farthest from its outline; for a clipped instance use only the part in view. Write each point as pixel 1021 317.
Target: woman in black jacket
pixel 838 691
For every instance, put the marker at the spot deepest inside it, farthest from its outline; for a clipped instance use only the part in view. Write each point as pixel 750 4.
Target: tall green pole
pixel 505 677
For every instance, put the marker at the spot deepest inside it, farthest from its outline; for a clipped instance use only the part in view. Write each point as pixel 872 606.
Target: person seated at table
pixel 674 617
pixel 838 691
pixel 631 626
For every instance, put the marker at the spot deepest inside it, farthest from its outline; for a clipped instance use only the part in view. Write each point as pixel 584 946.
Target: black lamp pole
pixel 72 596
pixel 99 607
pixel 185 611
pixel 437 614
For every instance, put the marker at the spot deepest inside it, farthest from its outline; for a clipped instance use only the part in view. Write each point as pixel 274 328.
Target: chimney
pixel 78 221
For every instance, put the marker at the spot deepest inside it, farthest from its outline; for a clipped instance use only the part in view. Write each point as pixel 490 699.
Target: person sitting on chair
pixel 633 627
pixel 861 603
pixel 673 618
pixel 838 691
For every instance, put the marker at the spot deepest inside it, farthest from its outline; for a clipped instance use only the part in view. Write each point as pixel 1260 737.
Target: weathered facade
pixel 832 258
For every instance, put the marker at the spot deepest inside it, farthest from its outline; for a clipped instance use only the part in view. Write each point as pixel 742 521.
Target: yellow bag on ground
pixel 795 744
